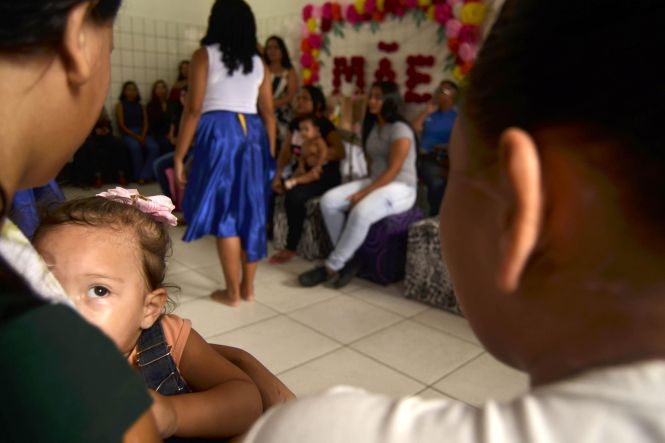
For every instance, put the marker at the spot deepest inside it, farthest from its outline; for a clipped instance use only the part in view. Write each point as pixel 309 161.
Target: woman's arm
pixel 399 150
pixel 335 150
pixel 267 110
pixel 282 161
pixel 198 81
pixel 291 89
pixel 272 390
pixel 225 401
pixel 418 123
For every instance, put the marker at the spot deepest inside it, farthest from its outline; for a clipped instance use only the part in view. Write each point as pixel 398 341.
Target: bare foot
pixel 222 296
pixel 246 293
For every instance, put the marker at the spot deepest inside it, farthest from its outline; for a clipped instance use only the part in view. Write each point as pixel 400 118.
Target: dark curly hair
pixel 233 27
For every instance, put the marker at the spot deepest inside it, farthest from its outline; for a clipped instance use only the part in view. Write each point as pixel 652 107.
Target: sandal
pixel 282 257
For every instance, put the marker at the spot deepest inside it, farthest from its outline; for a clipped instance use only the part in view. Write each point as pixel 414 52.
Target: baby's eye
pixel 98 292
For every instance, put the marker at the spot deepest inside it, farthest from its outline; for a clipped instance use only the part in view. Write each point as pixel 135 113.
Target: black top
pixel 63 380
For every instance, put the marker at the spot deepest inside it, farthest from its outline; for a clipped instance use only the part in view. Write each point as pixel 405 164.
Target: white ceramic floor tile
pixel 174 267
pixel 287 297
pixel 192 285
pixel 357 284
pixel 389 298
pixel 447 322
pixel 347 367
pixel 418 351
pixel 279 343
pixel 345 318
pixel 483 379
pixel 433 394
pixel 210 318
pixel 213 272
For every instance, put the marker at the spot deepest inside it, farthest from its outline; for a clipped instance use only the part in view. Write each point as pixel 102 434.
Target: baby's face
pixel 308 130
pixel 100 270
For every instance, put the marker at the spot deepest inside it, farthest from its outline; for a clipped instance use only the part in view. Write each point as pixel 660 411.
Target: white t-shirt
pixel 623 404
pixel 237 92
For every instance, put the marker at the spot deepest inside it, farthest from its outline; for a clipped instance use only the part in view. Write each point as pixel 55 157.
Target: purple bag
pixel 383 254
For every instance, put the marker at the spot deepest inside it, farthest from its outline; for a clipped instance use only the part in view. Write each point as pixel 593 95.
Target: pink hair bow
pixel 159 207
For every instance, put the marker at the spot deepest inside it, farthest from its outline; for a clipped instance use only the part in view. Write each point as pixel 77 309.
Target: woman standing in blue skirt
pixel 227 188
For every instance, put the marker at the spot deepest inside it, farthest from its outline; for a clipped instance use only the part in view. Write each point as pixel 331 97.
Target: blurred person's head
pixel 130 92
pixel 160 91
pixel 54 63
pixel 310 100
pixel 275 51
pixel 552 220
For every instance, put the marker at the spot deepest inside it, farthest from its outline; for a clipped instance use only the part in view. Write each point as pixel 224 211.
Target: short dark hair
pixel 544 65
pixel 32 24
pixel 310 118
pixel 286 59
pixel 233 27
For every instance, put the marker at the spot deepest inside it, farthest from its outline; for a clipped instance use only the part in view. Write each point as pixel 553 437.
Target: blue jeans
pixel 159 167
pixel 142 166
pixel 431 172
pixel 394 198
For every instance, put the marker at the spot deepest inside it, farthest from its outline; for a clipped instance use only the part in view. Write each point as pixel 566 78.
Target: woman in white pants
pixel 390 145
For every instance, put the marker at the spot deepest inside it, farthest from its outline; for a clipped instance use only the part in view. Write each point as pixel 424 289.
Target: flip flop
pixel 282 257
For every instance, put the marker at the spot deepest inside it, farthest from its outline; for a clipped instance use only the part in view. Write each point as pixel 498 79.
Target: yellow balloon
pixel 360 6
pixel 316 53
pixel 306 74
pixel 473 13
pixel 430 12
pixel 424 2
pixel 458 75
pixel 311 24
pixel 380 4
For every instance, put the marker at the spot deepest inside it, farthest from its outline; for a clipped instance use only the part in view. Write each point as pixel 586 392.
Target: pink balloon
pixel 453 27
pixel 467 51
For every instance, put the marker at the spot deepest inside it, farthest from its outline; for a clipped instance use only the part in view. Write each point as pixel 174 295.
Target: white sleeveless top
pixel 237 92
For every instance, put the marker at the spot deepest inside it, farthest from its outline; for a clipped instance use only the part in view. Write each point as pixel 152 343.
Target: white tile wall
pixel 147 50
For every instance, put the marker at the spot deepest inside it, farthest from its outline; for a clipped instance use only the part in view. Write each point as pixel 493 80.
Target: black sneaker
pixel 314 277
pixel 347 273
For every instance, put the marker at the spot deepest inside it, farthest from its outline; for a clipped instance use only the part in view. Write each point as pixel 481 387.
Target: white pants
pixel 391 199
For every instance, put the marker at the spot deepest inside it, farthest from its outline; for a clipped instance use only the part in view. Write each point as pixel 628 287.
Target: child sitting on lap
pixel 108 252
pixel 312 156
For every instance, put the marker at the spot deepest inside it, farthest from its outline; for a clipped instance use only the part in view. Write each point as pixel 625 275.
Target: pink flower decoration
pixel 306 60
pixel 307 12
pixel 442 13
pixel 316 12
pixel 315 78
pixel 468 34
pixel 454 2
pixel 326 11
pixel 453 28
pixel 467 51
pixel 315 41
pixel 352 15
pixel 411 4
pixel 159 207
pixel 370 6
pixel 304 30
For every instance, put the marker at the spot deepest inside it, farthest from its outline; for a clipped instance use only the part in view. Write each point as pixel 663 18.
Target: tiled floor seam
pixel 476 344
pixel 325 354
pixel 443 393
pixel 459 368
pixel 277 314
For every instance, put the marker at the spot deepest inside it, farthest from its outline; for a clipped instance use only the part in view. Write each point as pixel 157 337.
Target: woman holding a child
pixel 309 101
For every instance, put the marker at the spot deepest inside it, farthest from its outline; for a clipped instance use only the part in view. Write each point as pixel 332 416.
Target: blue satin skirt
pixel 228 187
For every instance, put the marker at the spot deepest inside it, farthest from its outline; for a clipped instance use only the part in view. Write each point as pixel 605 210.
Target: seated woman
pixel 132 122
pixel 309 100
pixel 103 158
pixel 391 146
pixel 434 125
pixel 160 112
